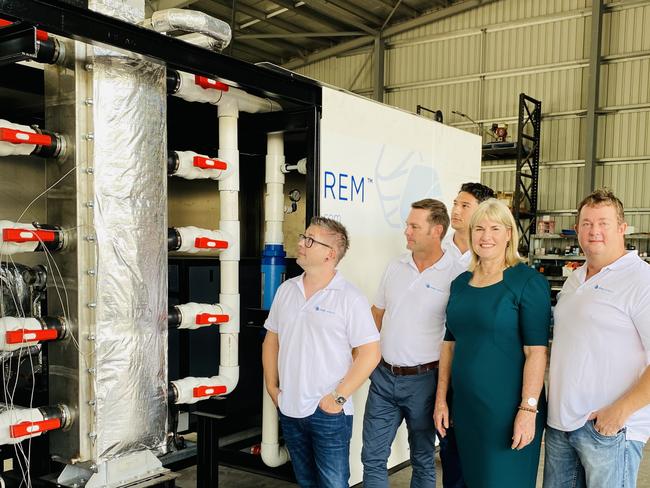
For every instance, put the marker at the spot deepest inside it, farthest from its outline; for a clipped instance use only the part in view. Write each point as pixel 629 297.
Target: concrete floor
pixel 240 479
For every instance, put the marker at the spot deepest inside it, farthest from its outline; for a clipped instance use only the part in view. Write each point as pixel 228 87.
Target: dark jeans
pixel 319 446
pixel 452 476
pixel 392 399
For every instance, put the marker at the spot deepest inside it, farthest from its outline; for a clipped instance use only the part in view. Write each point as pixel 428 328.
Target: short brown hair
pixel 338 229
pixel 603 196
pixel 437 212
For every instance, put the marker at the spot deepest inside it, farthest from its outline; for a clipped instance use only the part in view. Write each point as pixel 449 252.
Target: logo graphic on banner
pixel 400 183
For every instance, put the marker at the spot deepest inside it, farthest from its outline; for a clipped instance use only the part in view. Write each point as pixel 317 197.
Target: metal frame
pixel 591 131
pixel 91 27
pixel 524 206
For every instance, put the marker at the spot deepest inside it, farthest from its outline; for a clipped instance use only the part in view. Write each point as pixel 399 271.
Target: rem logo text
pixel 344 187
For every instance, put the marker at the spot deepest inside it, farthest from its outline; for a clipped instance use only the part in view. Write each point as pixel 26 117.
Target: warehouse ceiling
pixel 278 31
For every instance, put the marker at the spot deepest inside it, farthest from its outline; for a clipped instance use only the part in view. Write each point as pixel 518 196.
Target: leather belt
pixel 409 370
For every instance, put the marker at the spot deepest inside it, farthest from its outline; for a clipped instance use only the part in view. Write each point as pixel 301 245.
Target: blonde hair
pixel 496 211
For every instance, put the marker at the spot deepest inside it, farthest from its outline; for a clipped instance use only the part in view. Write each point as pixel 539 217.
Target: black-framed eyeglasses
pixel 309 241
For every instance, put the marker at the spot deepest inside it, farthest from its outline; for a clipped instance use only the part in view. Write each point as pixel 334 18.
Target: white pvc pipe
pixel 190 311
pixel 16 247
pixel 239 99
pixel 272 454
pixel 9 324
pixel 274 198
pixel 17 415
pixel 186 168
pixel 11 149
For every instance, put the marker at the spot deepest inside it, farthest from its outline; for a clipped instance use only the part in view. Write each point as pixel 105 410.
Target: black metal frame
pixel 81 24
pixel 524 206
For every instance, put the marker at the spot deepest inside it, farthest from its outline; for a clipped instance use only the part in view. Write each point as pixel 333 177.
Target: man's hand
pixel 441 417
pixel 609 420
pixel 329 405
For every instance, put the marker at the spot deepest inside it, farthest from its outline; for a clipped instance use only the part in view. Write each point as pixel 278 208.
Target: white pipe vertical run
pixel 272 454
pixel 229 222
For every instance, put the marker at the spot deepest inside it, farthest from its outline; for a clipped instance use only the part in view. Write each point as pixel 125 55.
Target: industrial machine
pixel 151 193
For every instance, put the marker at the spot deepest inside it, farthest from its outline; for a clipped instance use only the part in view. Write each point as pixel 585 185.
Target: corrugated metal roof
pixel 281 30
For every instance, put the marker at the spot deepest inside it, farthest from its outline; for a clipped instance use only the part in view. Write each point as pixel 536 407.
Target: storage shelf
pixel 551 257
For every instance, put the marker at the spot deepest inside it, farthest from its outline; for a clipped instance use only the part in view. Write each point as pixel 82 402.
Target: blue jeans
pixel 319 446
pixel 392 399
pixel 584 457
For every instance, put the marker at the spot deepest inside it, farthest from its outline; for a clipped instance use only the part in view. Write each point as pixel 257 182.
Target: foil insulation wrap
pixel 130 218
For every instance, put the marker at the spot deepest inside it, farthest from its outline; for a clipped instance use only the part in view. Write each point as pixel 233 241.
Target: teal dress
pixel 490 326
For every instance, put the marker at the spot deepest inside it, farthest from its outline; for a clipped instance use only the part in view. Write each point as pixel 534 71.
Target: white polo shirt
pixel 415 309
pixel 449 246
pixel 601 342
pixel 316 340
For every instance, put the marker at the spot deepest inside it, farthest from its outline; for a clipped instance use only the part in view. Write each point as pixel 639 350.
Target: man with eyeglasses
pixel 315 321
pixel 409 310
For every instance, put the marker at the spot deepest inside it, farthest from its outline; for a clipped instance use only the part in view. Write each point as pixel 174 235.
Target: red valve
pixel 208 391
pixel 208 318
pixel 205 82
pixel 27 335
pixel 256 450
pixel 26 235
pixel 207 163
pixel 21 137
pixel 40 35
pixel 28 428
pixel 207 243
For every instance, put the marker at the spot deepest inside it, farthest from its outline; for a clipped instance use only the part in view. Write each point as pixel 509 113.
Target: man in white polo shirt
pixel 315 321
pixel 599 382
pixel 409 310
pixel 470 196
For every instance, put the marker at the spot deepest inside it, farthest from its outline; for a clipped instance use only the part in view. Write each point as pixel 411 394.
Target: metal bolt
pixel 92 435
pixel 90 238
pixel 90 204
pixel 91 305
pixel 90 136
pixel 93 467
pixel 91 272
pixel 90 170
pixel 91 403
pixel 91 337
pixel 89 101
pixel 91 370
pixel 89 67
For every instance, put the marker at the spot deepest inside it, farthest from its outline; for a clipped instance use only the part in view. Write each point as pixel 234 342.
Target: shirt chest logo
pixel 319 308
pixel 601 288
pixel 434 288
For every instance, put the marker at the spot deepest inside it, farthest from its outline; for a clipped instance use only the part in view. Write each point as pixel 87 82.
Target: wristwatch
pixel 532 402
pixel 338 398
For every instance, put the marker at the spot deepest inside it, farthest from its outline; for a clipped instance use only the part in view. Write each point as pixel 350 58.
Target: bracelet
pixel 527 409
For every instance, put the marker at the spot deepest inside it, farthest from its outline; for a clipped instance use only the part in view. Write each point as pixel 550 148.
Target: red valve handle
pixel 21 137
pixel 40 35
pixel 27 235
pixel 207 163
pixel 208 391
pixel 208 318
pixel 207 243
pixel 28 428
pixel 205 82
pixel 27 335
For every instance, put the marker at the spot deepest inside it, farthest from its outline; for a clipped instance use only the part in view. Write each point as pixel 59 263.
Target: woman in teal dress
pixel 495 352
